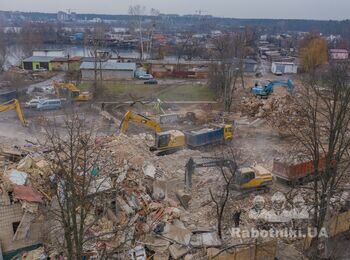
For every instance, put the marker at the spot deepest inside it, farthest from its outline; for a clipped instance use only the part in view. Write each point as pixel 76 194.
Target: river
pixel 15 53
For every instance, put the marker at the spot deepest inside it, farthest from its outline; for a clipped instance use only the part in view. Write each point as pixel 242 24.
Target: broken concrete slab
pixel 184 198
pixel 149 170
pixel 155 244
pixel 124 206
pixel 17 177
pixel 161 256
pixel 159 190
pixel 177 251
pixel 177 234
pixel 25 164
pixel 205 240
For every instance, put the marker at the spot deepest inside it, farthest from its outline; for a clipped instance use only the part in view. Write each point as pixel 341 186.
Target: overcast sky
pixel 289 9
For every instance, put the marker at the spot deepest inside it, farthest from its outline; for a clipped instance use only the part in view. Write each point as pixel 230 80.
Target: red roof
pixel 26 193
pixel 75 58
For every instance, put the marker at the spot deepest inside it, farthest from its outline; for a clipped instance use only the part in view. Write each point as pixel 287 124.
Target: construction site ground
pixel 254 137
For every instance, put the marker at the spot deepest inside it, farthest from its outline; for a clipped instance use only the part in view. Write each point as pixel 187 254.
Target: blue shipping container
pixel 194 139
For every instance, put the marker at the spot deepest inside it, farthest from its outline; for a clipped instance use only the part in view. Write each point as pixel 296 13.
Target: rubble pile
pixel 143 216
pixel 276 108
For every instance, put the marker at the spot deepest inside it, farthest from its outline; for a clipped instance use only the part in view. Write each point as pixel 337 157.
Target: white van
pixel 49 104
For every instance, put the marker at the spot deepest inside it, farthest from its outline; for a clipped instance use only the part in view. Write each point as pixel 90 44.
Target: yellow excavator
pixel 174 140
pixel 76 94
pixel 171 141
pixel 254 177
pixel 140 119
pixel 13 104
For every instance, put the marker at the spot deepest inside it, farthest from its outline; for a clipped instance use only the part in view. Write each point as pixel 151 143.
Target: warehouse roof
pixel 109 65
pixel 39 59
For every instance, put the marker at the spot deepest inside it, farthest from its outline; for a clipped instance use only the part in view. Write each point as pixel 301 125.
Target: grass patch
pixel 164 92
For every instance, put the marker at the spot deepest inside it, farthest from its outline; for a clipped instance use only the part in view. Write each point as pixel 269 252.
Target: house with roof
pixel 37 63
pixel 339 54
pixel 110 69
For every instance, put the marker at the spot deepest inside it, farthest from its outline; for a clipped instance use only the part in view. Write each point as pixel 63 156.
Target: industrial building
pixel 284 67
pixel 111 69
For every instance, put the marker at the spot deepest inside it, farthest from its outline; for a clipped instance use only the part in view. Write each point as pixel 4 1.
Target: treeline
pixel 211 23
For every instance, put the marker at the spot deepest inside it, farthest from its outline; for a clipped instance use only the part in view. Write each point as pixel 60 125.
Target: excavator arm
pixel 13 104
pixel 191 165
pixel 288 84
pixel 140 119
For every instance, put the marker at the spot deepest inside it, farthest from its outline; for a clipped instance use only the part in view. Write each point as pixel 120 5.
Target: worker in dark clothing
pixel 103 106
pixel 236 217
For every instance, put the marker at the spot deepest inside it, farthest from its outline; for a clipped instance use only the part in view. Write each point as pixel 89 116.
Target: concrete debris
pixel 205 240
pixel 159 190
pixel 138 253
pixel 25 164
pixel 125 207
pixel 184 198
pixel 17 177
pixel 179 235
pixel 149 170
pixel 177 251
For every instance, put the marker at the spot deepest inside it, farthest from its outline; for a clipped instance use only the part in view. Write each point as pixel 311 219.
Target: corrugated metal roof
pixel 39 59
pixel 26 193
pixel 109 65
pixel 339 50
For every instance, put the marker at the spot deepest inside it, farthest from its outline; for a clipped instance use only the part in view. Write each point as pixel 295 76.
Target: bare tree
pixel 137 12
pixel 228 169
pixel 97 43
pixel 321 127
pixel 3 49
pixel 228 67
pixel 80 179
pixel 30 38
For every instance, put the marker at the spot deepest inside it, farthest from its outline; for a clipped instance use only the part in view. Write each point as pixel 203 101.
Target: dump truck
pixel 296 173
pixel 173 140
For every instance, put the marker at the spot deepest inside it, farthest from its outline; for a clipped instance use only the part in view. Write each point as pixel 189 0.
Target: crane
pixel 13 104
pixel 76 94
pixel 140 119
pixel 264 91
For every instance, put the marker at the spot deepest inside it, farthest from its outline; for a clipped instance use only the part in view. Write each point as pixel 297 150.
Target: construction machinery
pixel 140 119
pixel 174 140
pixel 76 95
pixel 265 91
pixel 254 177
pixel 13 104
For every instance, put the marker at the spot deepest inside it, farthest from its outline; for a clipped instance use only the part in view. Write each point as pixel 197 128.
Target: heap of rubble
pixel 147 219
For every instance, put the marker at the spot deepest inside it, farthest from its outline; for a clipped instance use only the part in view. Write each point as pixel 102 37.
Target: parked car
pixel 146 76
pixel 49 104
pixel 33 103
pixel 151 82
pixel 279 73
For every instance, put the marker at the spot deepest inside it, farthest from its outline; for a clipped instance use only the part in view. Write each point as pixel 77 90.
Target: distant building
pixel 339 54
pixel 58 53
pixel 111 70
pixel 37 63
pixel 65 64
pixel 62 16
pixel 284 67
